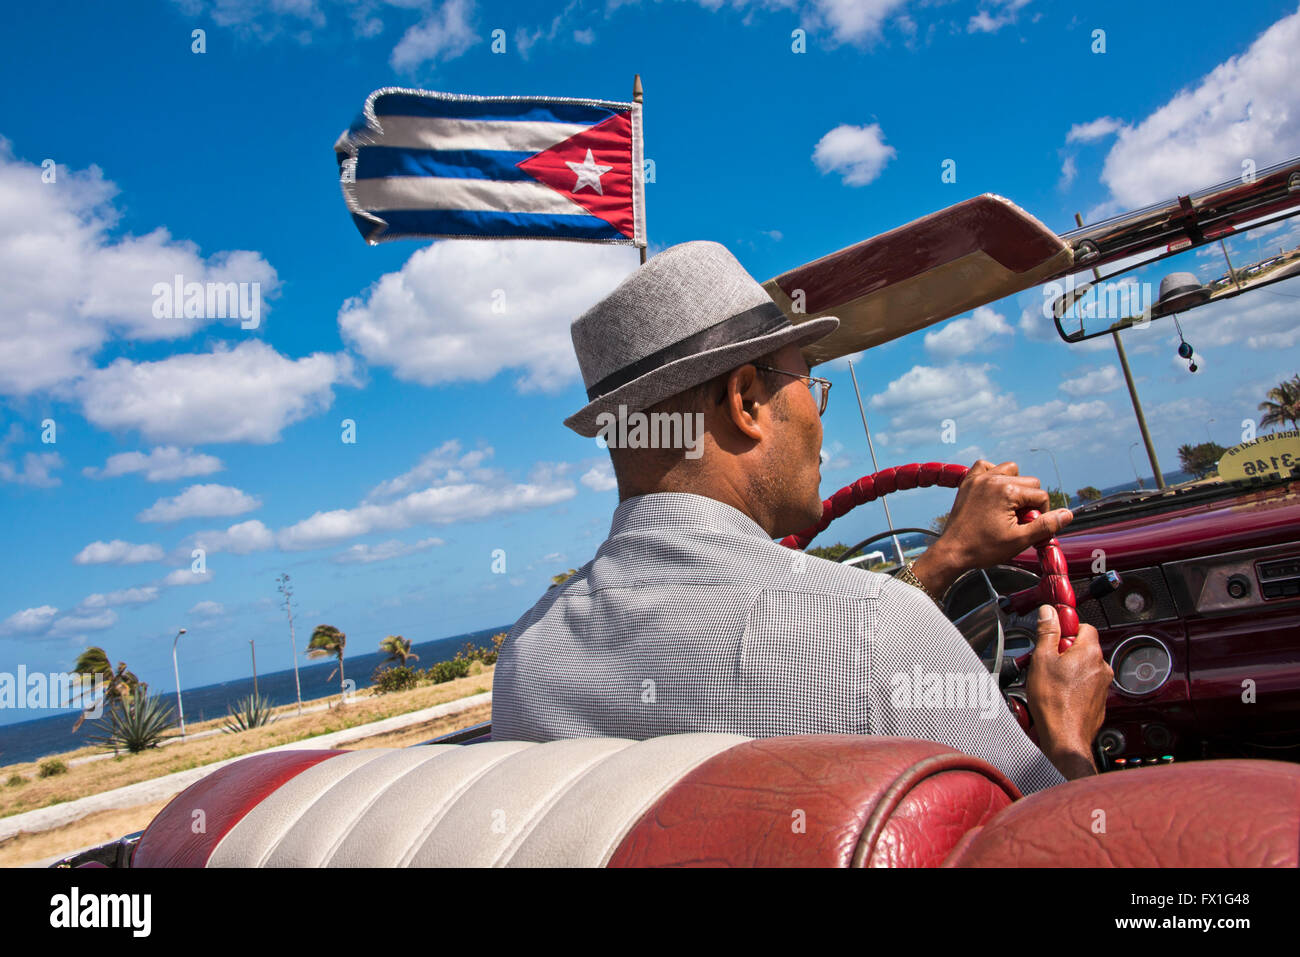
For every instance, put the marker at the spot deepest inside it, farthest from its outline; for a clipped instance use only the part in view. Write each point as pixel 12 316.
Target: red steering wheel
pixel 1053 586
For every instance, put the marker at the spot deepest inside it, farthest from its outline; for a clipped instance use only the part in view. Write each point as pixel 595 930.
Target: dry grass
pixel 98 776
pixel 105 826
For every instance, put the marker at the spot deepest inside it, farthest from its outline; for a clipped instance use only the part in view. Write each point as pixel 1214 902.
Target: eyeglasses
pixel 820 388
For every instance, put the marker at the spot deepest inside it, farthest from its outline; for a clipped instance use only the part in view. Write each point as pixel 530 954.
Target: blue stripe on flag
pixel 406 104
pixel 454 222
pixel 376 162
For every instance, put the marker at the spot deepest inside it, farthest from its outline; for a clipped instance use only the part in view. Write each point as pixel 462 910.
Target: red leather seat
pixel 691 799
pixel 716 800
pixel 1199 814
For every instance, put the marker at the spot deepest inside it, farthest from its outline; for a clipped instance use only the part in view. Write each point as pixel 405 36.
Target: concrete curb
pixel 155 789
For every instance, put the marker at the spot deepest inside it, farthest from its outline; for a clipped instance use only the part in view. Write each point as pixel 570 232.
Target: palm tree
pixel 1282 404
pixel 119 685
pixel 327 640
pixel 399 650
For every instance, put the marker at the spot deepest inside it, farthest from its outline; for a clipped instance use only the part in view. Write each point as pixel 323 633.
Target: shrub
pixel 253 711
pixel 52 767
pixel 399 678
pixel 136 724
pixel 15 780
pixel 486 655
pixel 449 670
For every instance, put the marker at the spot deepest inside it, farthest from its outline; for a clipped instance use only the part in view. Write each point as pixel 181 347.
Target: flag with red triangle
pixel 420 164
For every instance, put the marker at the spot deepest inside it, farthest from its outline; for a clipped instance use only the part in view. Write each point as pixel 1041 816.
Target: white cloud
pixel 70 287
pixel 1069 170
pixel 208 609
pixel 79 624
pixel 445 464
pixel 857 153
pixel 958 337
pixel 1092 381
pixel 444 34
pixel 586 36
pixel 852 21
pixel 242 538
pixel 450 494
pixel 986 21
pixel 35 471
pixel 200 501
pixel 249 393
pixel 29 621
pixel 600 478
pixel 163 464
pixel 141 595
pixel 186 576
pixel 1093 130
pixel 382 552
pixel 118 552
pixel 436 505
pixel 1247 108
pixel 434 320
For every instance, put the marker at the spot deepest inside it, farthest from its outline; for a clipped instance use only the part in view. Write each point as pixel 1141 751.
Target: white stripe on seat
pixel 585 825
pixel 255 838
pixel 493 813
pixel 502 803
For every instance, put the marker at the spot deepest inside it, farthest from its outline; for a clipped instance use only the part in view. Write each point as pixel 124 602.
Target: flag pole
pixel 637 95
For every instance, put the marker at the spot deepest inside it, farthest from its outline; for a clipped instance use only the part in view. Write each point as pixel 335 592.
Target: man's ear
pixel 744 393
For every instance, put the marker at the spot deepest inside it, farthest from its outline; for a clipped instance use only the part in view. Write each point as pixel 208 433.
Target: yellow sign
pixel 1273 454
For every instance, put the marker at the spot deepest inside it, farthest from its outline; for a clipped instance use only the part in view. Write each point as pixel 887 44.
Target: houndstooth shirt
pixel 690 618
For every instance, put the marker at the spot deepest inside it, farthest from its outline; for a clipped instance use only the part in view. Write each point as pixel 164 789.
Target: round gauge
pixel 1142 665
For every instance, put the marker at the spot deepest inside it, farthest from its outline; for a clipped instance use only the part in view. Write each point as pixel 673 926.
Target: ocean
pixel 52 734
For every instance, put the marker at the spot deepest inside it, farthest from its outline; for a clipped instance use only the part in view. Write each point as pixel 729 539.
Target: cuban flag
pixel 419 164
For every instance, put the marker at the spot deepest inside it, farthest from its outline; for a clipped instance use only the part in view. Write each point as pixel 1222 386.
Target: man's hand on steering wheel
pixel 982 527
pixel 1067 694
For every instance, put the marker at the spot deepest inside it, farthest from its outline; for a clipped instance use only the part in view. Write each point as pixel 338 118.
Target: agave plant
pixel 253 711
pixel 135 724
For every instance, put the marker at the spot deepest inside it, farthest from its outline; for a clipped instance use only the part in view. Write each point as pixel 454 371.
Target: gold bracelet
pixel 909 576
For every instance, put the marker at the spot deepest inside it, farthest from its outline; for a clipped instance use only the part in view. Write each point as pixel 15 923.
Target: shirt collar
pixel 678 509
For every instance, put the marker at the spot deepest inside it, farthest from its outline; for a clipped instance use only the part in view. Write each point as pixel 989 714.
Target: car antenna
pixel 875 467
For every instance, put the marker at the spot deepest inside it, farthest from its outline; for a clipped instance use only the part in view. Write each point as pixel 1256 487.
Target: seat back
pixel 690 799
pixel 1236 813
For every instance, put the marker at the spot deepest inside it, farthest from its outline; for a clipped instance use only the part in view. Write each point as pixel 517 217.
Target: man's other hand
pixel 982 527
pixel 1067 694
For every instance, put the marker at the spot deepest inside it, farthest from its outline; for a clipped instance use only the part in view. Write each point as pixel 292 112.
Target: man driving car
pixel 691 618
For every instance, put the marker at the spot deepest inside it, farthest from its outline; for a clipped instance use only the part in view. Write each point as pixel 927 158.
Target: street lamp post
pixel 180 709
pixel 1131 447
pixel 1059 484
pixel 1207 431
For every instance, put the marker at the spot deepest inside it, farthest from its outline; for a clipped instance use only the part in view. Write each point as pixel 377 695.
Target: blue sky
pixel 218 165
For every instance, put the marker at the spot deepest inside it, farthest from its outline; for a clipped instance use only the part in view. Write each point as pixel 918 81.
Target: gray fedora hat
pixel 685 316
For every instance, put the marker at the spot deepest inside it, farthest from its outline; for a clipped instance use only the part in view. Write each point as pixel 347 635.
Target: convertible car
pixel 1195 591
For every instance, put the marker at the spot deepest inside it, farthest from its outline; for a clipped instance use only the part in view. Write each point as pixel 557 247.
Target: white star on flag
pixel 589 173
